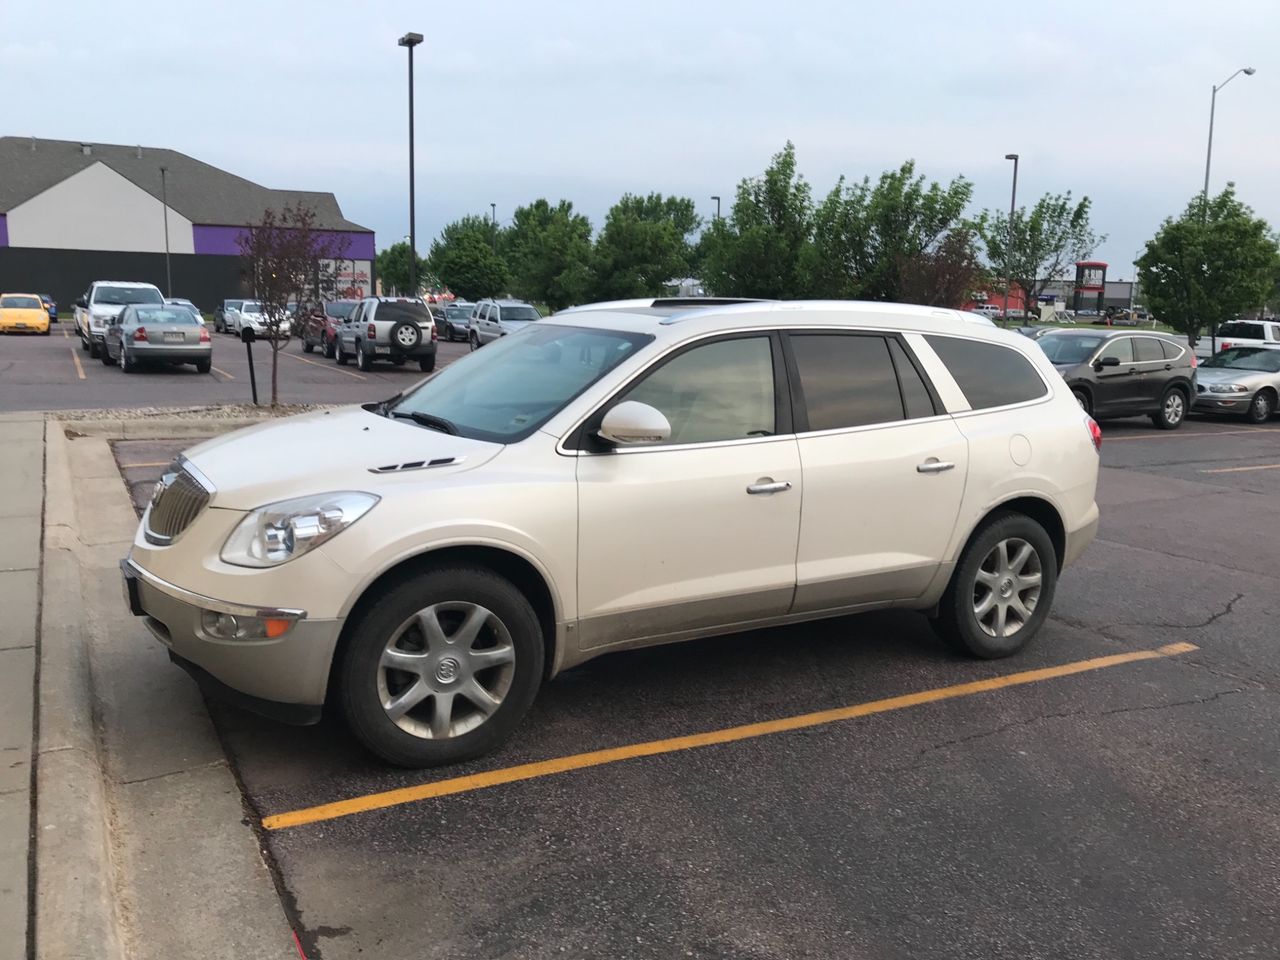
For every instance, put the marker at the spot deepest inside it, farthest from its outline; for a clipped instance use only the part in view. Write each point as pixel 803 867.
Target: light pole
pixel 717 200
pixel 1008 247
pixel 411 40
pixel 1213 103
pixel 164 200
pixel 493 220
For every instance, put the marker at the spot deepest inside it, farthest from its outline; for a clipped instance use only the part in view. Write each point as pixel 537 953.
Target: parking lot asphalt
pixel 1110 792
pixel 54 373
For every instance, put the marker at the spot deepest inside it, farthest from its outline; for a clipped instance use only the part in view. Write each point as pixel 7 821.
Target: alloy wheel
pixel 1174 407
pixel 1007 587
pixel 446 670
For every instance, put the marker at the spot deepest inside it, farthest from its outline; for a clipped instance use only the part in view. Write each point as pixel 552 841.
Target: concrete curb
pixel 74 911
pixel 166 428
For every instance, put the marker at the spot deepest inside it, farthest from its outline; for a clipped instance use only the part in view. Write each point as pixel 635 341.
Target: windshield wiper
pixel 427 420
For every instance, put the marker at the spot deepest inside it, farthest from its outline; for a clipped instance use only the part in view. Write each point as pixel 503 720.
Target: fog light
pixel 226 626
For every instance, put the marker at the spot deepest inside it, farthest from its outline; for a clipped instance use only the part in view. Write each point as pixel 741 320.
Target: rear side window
pixel 989 375
pixel 1147 349
pixel 1241 329
pixel 915 395
pixel 846 381
pixel 1171 350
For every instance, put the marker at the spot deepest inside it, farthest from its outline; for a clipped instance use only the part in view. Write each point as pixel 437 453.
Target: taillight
pixel 1225 345
pixel 140 334
pixel 1095 433
pixel 1195 361
pixel 435 334
pixel 373 332
pixel 204 334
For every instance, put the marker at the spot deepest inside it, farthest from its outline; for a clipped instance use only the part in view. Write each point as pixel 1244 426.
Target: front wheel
pixel 475 341
pixel 1261 406
pixel 308 346
pixel 1001 590
pixel 441 667
pixel 1172 411
pixel 94 349
pixel 339 354
pixel 107 359
pixel 328 348
pixel 1082 398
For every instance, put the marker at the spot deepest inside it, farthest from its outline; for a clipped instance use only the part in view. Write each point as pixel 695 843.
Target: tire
pixel 398 361
pixel 127 363
pixel 405 336
pixel 1082 398
pixel 204 366
pixel 984 633
pixel 1262 406
pixel 308 346
pixel 107 359
pixel 328 348
pixel 338 353
pixel 84 344
pixel 427 364
pixel 94 349
pixel 1172 410
pixel 475 341
pixel 510 641
pixel 363 363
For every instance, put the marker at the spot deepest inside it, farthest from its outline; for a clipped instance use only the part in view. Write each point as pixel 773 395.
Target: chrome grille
pixel 177 501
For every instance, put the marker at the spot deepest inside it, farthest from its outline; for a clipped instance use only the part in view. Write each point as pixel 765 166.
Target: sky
pixel 588 99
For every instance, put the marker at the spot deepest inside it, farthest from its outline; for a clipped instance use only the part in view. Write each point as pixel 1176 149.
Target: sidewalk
pixel 21 506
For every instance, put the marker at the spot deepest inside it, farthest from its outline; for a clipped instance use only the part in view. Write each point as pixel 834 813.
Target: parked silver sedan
pixel 1242 380
pixel 168 334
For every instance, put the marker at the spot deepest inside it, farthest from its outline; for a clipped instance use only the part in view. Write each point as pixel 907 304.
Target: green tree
pixel 1045 241
pixel 393 268
pixel 464 259
pixel 645 242
pixel 759 250
pixel 549 252
pixel 865 235
pixel 1209 265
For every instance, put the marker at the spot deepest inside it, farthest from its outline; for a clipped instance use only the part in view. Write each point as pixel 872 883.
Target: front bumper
pixel 1222 402
pixel 285 678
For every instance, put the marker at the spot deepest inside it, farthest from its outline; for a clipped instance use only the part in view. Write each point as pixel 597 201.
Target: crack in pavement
pixel 171 773
pixel 1165 625
pixel 1029 721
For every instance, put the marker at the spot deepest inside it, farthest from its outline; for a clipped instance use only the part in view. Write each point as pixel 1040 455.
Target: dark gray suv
pixel 388 328
pixel 1114 374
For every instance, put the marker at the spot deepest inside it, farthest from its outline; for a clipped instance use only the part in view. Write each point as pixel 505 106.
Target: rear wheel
pixel 427 364
pixel 127 363
pixel 339 354
pixel 308 346
pixel 363 361
pixel 328 348
pixel 1262 406
pixel 204 366
pixel 1001 590
pixel 107 359
pixel 94 349
pixel 441 667
pixel 1172 411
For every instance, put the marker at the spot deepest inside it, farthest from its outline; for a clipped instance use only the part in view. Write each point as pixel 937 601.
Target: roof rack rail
pixel 706 301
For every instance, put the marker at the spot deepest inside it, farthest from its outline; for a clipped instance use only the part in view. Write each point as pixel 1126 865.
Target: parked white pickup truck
pixel 1242 333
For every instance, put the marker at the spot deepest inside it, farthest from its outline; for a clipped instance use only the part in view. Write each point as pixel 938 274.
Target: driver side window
pixel 720 391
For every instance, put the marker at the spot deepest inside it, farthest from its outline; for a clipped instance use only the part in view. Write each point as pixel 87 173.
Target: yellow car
pixel 23 313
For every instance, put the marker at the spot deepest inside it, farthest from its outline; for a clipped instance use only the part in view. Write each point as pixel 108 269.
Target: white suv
pixel 491 319
pixel 102 303
pixel 609 479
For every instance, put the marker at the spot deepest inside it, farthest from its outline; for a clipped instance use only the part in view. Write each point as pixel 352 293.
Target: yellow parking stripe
pixel 1265 466
pixel 596 758
pixel 75 358
pixel 337 369
pixel 1186 434
pixel 223 372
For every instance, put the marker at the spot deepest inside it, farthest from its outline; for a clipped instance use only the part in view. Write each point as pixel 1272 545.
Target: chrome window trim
pixel 128 565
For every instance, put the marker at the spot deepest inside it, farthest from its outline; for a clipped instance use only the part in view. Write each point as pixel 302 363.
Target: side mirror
pixel 82 303
pixel 1107 362
pixel 631 423
pixel 247 334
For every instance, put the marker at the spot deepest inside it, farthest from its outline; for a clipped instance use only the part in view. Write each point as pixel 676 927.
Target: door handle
pixel 768 485
pixel 934 465
pixel 1168 366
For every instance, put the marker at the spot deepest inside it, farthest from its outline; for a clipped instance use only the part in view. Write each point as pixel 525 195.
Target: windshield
pixel 1068 349
pixel 21 303
pixel 457 313
pixel 118 296
pixel 251 306
pixel 1258 359
pixel 164 315
pixel 517 383
pixel 341 309
pixel 519 313
pixel 232 304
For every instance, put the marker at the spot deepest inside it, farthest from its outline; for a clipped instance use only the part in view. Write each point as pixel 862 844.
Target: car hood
pixel 105 310
pixel 511 326
pixel 1249 378
pixel 325 451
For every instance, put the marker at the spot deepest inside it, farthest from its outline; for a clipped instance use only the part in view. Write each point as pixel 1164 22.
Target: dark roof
pixel 198 191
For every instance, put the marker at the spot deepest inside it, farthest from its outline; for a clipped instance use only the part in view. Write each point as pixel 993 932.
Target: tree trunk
pixel 275 371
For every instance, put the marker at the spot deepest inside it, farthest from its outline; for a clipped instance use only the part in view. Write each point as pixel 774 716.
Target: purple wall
pixel 4 230
pixel 222 241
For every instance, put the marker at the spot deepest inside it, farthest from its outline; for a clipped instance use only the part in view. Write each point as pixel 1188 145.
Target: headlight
pixel 1227 388
pixel 279 532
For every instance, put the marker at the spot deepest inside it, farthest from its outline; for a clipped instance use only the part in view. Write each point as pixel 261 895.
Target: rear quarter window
pixel 989 375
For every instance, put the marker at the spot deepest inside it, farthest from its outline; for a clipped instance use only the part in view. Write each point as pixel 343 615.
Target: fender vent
pixel 417 465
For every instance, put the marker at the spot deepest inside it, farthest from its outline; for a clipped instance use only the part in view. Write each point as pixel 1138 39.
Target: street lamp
pixel 493 220
pixel 164 200
pixel 717 200
pixel 411 40
pixel 1213 103
pixel 1008 247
